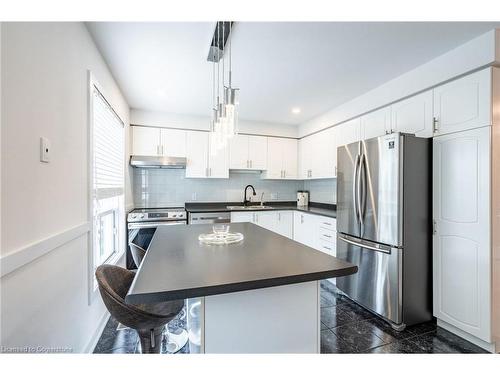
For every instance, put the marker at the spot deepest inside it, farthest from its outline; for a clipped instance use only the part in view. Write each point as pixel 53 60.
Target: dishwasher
pixel 209 217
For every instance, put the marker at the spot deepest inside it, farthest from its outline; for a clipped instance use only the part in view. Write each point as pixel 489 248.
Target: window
pixel 108 171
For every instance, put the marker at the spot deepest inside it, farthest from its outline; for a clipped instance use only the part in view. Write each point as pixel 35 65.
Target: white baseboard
pixel 491 347
pixel 89 348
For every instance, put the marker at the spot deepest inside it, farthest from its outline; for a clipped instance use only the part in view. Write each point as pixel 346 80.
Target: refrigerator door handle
pixel 361 191
pixel 381 248
pixel 355 188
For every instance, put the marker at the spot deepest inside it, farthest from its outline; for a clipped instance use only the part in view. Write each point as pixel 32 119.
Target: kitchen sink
pixel 249 208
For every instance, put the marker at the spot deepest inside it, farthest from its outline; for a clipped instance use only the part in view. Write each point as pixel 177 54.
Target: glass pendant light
pixel 231 96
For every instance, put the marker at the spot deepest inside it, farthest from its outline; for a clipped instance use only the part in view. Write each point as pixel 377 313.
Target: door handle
pixel 385 250
pixel 354 187
pixel 361 191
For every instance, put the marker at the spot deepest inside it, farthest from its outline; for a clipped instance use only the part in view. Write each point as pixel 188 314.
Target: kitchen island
pixel 260 295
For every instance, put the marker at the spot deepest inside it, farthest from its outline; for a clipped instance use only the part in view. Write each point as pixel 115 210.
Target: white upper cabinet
pixel 281 158
pixel 463 104
pixel 257 152
pixel 413 115
pixel 248 152
pixel 461 242
pixel 146 141
pixel 149 141
pixel 197 154
pixel 218 163
pixel 173 142
pixel 201 162
pixel 349 132
pixel 376 124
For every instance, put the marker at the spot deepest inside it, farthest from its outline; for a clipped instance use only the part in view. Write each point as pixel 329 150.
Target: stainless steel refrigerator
pixel 384 226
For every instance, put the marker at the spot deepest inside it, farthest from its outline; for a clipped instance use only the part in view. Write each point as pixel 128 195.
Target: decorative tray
pixel 220 238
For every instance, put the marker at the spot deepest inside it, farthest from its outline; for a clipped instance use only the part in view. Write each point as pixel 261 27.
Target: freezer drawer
pixel 378 283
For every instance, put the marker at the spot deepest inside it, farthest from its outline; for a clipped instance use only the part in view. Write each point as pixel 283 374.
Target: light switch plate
pixel 44 150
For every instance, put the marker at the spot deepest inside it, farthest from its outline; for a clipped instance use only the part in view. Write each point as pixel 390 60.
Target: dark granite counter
pixel 329 210
pixel 178 266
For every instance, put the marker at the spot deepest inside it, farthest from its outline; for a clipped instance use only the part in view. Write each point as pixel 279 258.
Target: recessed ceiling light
pixel 296 110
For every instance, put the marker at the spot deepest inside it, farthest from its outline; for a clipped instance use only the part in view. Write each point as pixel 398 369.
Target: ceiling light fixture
pixel 296 110
pixel 224 122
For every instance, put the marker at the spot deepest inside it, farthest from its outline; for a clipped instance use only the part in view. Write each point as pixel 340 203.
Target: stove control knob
pixel 174 215
pixel 142 216
pixel 133 216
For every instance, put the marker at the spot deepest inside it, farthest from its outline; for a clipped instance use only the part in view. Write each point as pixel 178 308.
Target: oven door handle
pixel 154 224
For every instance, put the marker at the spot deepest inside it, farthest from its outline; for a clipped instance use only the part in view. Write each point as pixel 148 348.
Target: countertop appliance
pixel 384 226
pixel 142 224
pixel 302 198
pixel 209 217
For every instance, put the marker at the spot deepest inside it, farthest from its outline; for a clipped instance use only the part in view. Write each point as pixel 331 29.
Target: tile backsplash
pixel 170 187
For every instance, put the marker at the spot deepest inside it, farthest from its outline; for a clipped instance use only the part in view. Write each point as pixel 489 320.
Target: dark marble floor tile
pixel 330 343
pixel 442 341
pixel 359 335
pixel 323 326
pixel 356 312
pixel 397 347
pixel 334 317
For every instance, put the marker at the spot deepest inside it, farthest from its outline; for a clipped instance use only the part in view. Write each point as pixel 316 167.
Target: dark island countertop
pixel 329 210
pixel 178 266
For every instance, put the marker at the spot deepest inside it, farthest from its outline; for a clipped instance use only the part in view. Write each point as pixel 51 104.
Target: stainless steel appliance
pixel 302 198
pixel 209 217
pixel 142 223
pixel 170 162
pixel 384 225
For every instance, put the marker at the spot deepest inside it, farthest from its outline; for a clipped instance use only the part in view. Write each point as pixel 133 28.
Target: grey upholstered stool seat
pixel 137 252
pixel 148 320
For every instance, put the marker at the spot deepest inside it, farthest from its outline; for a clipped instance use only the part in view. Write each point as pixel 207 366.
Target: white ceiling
pixel 277 65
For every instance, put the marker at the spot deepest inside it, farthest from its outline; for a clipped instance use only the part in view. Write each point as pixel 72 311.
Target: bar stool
pixel 148 320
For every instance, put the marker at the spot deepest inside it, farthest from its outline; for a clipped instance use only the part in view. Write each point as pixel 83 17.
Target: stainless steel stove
pixel 142 224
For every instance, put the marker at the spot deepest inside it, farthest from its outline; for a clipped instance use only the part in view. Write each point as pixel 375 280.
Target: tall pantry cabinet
pixel 466 207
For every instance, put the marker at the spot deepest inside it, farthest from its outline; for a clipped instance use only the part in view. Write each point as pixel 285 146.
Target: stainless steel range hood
pixel 170 162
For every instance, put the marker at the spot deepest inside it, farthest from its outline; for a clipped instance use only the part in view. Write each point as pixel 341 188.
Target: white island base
pixel 282 319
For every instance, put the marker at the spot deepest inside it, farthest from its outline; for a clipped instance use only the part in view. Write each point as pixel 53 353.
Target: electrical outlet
pixel 194 196
pixel 44 150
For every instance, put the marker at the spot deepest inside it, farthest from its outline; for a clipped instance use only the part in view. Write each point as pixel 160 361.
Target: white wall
pixel 163 119
pixel 479 52
pixel 44 71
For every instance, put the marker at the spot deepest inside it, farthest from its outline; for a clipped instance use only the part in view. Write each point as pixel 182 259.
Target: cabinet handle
pixel 157 149
pixel 210 171
pixel 206 171
pixel 301 219
pixel 248 163
pixel 327 223
pixel 327 236
pixel 284 174
pixel 335 171
pixel 327 248
pixel 279 216
pixel 251 163
pixel 434 227
pixel 435 127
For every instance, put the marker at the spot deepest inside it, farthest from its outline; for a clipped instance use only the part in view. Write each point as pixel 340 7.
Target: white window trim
pixel 93 290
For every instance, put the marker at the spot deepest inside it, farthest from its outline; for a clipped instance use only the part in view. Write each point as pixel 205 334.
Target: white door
pixel 197 154
pixel 305 157
pixel 275 155
pixel 414 115
pixel 305 229
pixel 461 243
pixel 376 124
pixel 238 152
pixel 217 161
pixel 173 142
pixel 257 152
pixel 242 217
pixel 290 158
pixel 146 141
pixel 266 220
pixel 464 103
pixel 284 223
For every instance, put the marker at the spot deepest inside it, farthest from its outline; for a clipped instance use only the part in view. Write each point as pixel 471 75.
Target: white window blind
pixel 108 149
pixel 108 178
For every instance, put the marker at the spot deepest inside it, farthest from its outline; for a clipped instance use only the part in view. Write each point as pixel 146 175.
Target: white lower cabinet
pixel 462 260
pixel 318 232
pixel 280 222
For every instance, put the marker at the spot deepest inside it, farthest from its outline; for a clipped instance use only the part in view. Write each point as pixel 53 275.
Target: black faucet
pixel 246 201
